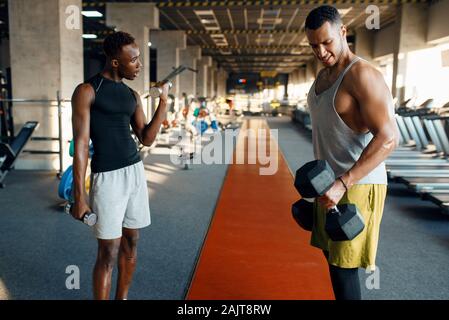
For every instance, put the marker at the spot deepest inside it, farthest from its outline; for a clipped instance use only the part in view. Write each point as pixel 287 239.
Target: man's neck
pixel 345 58
pixel 111 74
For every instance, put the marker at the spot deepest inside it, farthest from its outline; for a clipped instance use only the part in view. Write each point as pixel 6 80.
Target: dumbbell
pixel 314 179
pixel 156 90
pixel 89 218
pixel 302 212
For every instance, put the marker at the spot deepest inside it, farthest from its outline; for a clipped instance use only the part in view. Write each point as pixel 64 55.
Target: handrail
pixel 58 103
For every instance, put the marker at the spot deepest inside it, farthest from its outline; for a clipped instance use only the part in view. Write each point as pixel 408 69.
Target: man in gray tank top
pixel 353 128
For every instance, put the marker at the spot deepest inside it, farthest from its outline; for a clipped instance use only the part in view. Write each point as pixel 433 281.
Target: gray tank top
pixel 333 140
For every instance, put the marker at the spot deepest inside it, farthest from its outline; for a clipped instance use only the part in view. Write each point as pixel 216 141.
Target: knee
pixel 107 256
pixel 131 241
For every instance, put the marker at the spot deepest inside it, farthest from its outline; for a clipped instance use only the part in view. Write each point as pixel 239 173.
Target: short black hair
pixel 318 16
pixel 114 42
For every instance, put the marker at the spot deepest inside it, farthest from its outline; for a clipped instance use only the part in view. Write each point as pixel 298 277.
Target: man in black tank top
pixel 104 108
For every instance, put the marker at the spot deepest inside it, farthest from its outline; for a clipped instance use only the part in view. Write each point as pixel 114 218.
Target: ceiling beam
pixel 262 69
pixel 272 3
pixel 281 65
pixel 243 31
pixel 256 47
pixel 261 62
pixel 261 55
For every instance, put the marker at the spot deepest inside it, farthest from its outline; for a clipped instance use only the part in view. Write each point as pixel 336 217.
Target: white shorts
pixel 120 200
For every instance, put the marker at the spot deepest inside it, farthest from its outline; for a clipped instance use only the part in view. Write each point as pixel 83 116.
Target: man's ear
pixel 343 31
pixel 114 63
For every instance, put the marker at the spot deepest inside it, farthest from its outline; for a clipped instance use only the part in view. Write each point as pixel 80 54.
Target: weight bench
pixel 9 152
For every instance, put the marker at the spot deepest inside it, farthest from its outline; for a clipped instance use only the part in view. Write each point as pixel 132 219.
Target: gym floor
pixel 209 238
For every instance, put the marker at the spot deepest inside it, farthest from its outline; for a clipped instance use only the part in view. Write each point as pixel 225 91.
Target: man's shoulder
pixel 362 70
pixel 363 76
pixel 83 91
pixel 84 88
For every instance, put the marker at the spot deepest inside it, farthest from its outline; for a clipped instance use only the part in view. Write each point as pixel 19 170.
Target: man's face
pixel 128 62
pixel 327 42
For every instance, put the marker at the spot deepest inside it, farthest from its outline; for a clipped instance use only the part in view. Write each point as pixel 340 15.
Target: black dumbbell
pixel 302 212
pixel 314 179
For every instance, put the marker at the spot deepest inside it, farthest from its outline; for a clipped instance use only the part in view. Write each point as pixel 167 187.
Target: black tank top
pixel 110 117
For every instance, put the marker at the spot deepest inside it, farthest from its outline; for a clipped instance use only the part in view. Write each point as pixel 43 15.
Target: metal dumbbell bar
pixel 156 90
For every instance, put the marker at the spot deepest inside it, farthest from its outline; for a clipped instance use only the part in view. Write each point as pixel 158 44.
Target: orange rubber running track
pixel 254 249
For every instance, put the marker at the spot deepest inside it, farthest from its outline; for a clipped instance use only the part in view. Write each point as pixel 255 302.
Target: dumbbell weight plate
pixel 302 212
pixel 345 223
pixel 314 178
pixel 65 185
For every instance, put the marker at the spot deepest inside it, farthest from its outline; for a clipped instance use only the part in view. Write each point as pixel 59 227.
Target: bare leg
pixel 126 262
pixel 106 259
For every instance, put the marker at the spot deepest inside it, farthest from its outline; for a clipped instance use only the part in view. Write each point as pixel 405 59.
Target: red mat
pixel 254 249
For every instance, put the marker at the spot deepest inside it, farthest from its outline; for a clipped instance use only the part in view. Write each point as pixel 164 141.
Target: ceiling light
pixel 204 12
pixel 92 14
pixel 264 40
pixel 89 36
pixel 269 20
pixel 344 12
pixel 149 44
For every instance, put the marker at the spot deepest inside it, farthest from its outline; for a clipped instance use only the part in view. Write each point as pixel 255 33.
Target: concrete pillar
pixel 46 57
pixel 295 77
pixel 293 84
pixel 217 69
pixel 222 77
pixel 202 77
pixel 411 31
pixel 136 19
pixel 302 80
pixel 438 23
pixel 187 80
pixel 212 77
pixel 364 40
pixel 310 71
pixel 169 44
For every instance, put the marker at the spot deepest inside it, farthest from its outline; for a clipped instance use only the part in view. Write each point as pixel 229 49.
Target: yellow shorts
pixel 361 251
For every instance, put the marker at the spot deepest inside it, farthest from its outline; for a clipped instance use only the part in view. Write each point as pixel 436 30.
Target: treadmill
pixel 439 198
pixel 425 180
pixel 432 155
pixel 412 132
pixel 414 167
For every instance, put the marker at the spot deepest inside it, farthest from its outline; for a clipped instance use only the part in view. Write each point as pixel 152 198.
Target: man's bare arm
pixel 376 107
pixel 81 101
pixel 146 133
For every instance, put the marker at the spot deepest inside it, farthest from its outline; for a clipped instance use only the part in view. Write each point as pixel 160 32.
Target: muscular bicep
pixel 375 102
pixel 138 120
pixel 81 101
